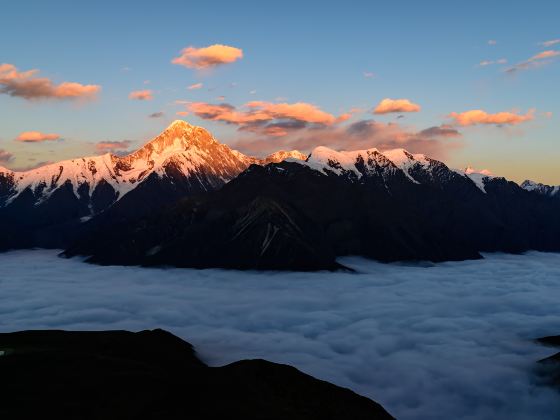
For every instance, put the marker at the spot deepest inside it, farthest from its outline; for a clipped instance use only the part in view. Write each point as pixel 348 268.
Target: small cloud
pixel 33 165
pixel 36 137
pixel 208 57
pixel 252 92
pixel 550 43
pixel 490 62
pixel 389 105
pixel 125 69
pixel 146 82
pixel 195 86
pixel 545 54
pixel 478 117
pixel 221 98
pixel 25 85
pixel 470 170
pixel 112 146
pixel 5 157
pixel 182 113
pixel 442 131
pixel 536 61
pixel 141 95
pixel 158 114
pixel 548 114
pixel 369 74
pixel 492 42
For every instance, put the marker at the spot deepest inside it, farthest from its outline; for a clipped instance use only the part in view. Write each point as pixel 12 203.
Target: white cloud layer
pixel 450 341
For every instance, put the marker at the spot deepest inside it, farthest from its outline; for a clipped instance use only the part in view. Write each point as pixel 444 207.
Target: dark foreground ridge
pixel 549 368
pixel 156 375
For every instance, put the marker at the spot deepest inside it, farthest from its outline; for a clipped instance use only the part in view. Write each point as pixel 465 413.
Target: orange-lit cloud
pixel 364 134
pixel 207 57
pixel 141 95
pixel 5 157
pixel 478 116
pixel 536 61
pixel 27 86
pixel 112 146
pixel 195 86
pixel 36 137
pixel 260 111
pixel 471 170
pixel 267 118
pixel 389 105
pixel 182 113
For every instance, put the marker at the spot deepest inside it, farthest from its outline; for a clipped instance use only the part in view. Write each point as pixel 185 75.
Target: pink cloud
pixel 478 116
pixel 364 134
pixel 195 86
pixel 208 57
pixel 27 86
pixel 36 137
pixel 536 61
pixel 141 95
pixel 5 157
pixel 470 170
pixel 112 146
pixel 257 112
pixel 389 105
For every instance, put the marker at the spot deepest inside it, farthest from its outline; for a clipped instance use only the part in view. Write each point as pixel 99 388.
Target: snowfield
pixel 444 341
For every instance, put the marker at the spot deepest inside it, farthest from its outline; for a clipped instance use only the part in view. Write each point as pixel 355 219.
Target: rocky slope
pixel 331 205
pixel 155 375
pixel 543 189
pixel 549 368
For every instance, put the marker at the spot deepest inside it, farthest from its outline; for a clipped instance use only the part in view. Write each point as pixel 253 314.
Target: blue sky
pixel 311 52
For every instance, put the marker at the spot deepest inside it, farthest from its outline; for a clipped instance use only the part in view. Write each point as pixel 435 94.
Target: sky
pixel 471 83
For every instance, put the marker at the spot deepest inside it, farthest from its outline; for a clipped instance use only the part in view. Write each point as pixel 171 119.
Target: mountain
pixel 389 206
pixel 543 189
pixel 84 375
pixel 185 199
pixel 45 206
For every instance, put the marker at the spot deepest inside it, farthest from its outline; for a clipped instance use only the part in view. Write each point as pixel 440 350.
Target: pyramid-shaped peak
pixel 179 124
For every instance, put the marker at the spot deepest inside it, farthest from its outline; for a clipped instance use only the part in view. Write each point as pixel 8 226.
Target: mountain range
pixel 184 199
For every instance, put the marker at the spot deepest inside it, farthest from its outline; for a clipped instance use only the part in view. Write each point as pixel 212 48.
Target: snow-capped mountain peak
pixel 349 163
pixel 181 147
pixel 281 155
pixel 540 188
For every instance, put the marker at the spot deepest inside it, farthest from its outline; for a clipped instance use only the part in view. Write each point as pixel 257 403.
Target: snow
pixel 325 159
pixel 540 188
pixel 479 179
pixel 192 149
pixel 406 161
pixel 434 341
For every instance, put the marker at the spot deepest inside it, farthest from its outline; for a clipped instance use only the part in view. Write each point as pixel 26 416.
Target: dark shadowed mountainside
pixel 156 375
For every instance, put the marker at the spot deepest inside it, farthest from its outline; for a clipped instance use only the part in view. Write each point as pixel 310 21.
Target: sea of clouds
pixel 444 341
